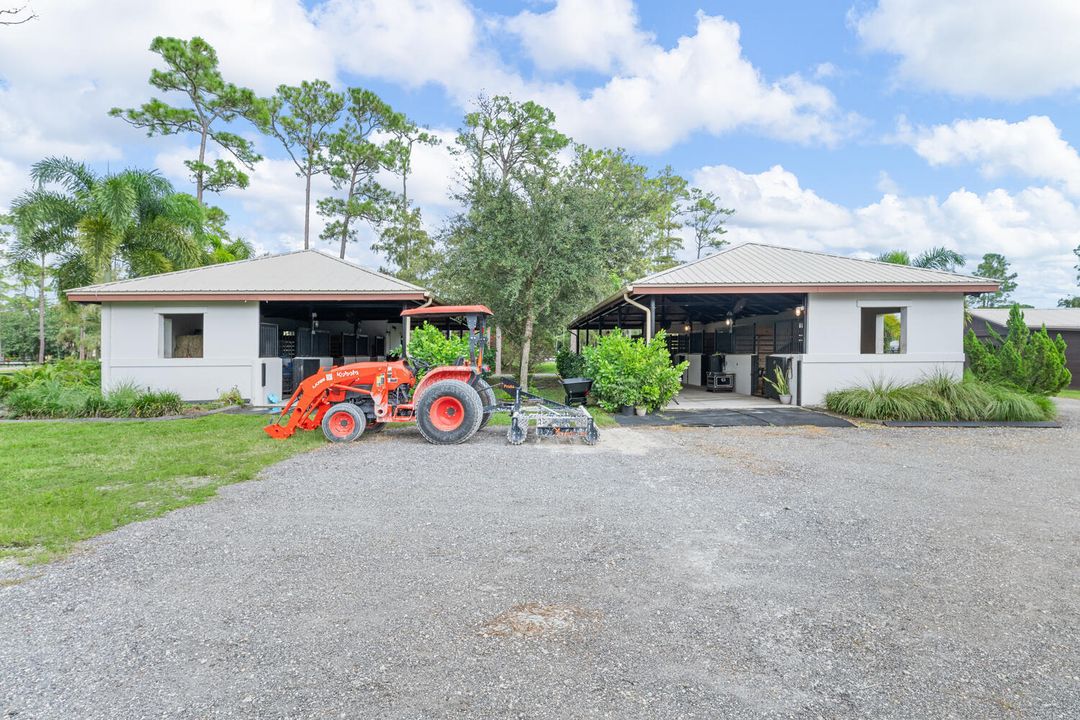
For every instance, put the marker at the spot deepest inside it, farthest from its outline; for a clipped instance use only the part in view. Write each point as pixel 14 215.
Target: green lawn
pixel 65 482
pixel 1074 394
pixel 545 367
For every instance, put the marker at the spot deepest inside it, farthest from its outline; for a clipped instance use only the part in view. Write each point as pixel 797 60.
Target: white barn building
pixel 831 321
pixel 257 325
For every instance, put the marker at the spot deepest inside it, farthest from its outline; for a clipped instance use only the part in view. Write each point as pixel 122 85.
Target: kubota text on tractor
pixel 449 404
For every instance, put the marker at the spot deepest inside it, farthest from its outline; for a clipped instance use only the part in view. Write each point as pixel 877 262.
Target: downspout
pixel 648 314
pixel 407 327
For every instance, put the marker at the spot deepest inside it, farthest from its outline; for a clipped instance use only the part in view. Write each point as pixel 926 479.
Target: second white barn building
pixel 830 321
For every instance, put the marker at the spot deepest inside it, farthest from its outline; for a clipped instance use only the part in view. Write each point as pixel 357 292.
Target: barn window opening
pixel 884 331
pixel 183 335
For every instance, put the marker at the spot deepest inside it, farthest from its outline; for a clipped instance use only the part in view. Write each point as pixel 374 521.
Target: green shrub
pixel 52 398
pixel 629 371
pixel 121 400
pixel 158 403
pixel 427 343
pixel 1029 361
pixel 67 372
pixel 569 364
pixel 231 396
pixel 941 398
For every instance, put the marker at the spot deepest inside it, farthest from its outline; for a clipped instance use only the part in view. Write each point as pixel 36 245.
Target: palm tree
pixel 80 227
pixel 41 231
pixel 936 258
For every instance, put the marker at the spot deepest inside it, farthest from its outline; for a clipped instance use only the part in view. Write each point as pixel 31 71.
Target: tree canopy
pixel 301 117
pixel 191 69
pixel 996 267
pixel 538 239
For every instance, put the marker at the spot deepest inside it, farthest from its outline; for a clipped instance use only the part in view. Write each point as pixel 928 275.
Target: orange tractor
pixel 449 404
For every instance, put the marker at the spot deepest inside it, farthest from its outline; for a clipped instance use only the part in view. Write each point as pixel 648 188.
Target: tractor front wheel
pixel 343 422
pixel 449 412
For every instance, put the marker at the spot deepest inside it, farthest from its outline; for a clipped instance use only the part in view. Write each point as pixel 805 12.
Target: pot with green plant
pixel 779 383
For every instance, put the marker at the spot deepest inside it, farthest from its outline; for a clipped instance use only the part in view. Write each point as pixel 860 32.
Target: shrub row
pixel 52 398
pixel 941 398
pixel 78 373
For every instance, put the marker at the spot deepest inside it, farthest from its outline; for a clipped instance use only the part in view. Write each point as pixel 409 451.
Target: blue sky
pixel 850 127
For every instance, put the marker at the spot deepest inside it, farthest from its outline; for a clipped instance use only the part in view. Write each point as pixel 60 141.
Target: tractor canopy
pixel 439 311
pixel 475 317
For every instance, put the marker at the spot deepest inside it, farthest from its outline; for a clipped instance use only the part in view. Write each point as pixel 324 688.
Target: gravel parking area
pixel 665 573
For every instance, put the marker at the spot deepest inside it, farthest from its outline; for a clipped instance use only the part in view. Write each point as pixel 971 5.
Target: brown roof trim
pixel 836 288
pixel 96 297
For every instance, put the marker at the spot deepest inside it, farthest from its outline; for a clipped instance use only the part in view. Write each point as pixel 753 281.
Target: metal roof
pixel 306 274
pixel 753 264
pixel 1052 318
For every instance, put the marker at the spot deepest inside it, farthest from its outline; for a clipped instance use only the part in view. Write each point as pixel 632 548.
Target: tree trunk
pixel 41 312
pixel 345 219
pixel 82 332
pixel 202 160
pixel 498 350
pixel 344 235
pixel 307 211
pixel 526 347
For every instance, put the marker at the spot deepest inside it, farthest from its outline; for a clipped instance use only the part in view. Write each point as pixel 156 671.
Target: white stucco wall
pixel 934 326
pixel 132 340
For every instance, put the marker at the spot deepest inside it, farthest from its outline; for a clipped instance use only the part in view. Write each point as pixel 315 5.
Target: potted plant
pixel 779 383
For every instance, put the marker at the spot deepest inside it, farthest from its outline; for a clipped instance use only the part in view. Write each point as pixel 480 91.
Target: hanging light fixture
pixel 799 311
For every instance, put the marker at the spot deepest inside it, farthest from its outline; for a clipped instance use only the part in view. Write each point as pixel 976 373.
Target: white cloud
pixel 1000 49
pixel 704 83
pixel 1031 148
pixel 1035 228
pixel 772 199
pixel 656 98
pixel 61 73
pixel 886 185
pixel 581 34
pixel 410 41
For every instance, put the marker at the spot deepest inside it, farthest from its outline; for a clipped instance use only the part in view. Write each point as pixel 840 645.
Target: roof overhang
pixel 640 290
pixel 99 297
pixel 683 289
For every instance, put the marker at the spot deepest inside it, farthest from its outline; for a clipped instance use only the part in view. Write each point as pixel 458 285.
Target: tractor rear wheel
pixel 487 399
pixel 449 412
pixel 343 422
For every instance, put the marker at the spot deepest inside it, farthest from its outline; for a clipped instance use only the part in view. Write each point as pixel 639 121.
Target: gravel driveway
pixel 665 573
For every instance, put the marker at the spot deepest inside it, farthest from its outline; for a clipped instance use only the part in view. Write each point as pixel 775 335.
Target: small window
pixel 183 335
pixel 884 331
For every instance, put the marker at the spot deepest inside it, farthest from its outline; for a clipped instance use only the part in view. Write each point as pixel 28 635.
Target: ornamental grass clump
pixel 52 398
pixel 941 398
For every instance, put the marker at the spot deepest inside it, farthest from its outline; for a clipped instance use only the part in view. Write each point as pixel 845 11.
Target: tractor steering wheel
pixel 418 364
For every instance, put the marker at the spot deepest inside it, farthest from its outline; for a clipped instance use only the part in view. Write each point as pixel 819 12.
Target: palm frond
pixel 939 258
pixel 72 175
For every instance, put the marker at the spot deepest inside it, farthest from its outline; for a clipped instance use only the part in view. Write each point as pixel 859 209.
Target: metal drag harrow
pixel 547 417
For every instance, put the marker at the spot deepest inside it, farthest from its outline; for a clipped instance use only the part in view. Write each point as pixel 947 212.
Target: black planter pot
pixel 627 410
